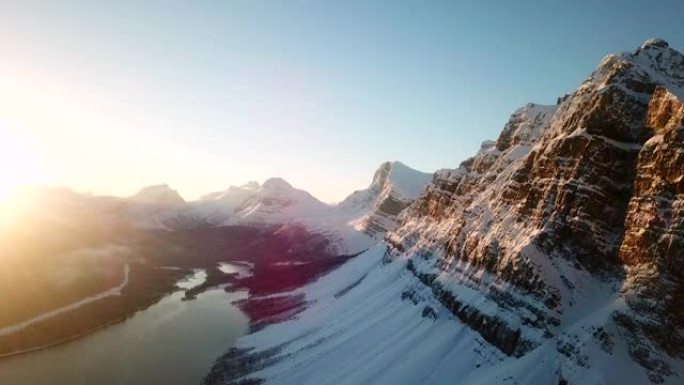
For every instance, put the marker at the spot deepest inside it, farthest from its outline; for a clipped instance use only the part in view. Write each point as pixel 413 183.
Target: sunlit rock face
pixel 569 197
pixel 653 246
pixel 653 227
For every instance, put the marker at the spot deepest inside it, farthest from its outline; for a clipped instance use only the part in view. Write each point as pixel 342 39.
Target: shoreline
pixel 236 284
pixel 158 296
pixel 133 312
pixel 113 291
pixel 86 333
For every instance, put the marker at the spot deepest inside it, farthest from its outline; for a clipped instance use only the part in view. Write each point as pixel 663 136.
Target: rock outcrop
pixel 653 247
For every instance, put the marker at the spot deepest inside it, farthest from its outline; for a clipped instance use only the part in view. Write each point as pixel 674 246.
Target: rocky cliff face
pixel 653 247
pixel 569 197
pixel 653 228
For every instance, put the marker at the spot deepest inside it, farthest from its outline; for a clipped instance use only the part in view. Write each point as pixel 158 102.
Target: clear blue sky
pixel 113 95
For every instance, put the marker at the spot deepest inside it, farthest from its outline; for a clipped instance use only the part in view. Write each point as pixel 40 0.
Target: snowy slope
pixel 372 322
pixel 234 195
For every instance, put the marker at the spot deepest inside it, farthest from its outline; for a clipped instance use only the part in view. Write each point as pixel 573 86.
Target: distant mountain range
pixel 353 224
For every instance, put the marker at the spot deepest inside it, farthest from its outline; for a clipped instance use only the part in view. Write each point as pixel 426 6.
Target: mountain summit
pixel 655 42
pixel 158 194
pixel 376 209
pixel 276 201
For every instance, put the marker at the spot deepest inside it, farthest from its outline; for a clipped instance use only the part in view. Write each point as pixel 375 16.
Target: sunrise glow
pixel 19 167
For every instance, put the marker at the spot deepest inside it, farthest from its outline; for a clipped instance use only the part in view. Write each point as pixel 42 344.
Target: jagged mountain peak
pixel 612 101
pixel 398 165
pixel 276 183
pixel 405 179
pixel 374 210
pixel 381 176
pixel 526 125
pixel 655 43
pixel 388 166
pixel 661 62
pixel 655 62
pixel 159 194
pixel 277 201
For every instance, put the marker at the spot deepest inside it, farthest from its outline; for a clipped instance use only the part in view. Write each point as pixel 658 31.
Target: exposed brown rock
pixel 665 111
pixel 653 247
pixel 562 187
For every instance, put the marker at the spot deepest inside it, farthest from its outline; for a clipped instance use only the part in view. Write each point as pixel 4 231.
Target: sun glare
pixel 18 168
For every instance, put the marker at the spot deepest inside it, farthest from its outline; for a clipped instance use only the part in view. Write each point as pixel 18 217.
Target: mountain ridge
pixel 551 256
pixel 275 202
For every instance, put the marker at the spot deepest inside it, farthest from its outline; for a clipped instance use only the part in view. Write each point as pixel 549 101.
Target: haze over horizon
pixel 110 98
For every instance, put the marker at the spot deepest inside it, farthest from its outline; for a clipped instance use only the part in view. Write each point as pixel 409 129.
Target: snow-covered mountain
pixel 375 209
pixel 218 208
pixel 350 225
pixel 159 195
pixel 553 256
pixel 276 201
pixel 157 206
